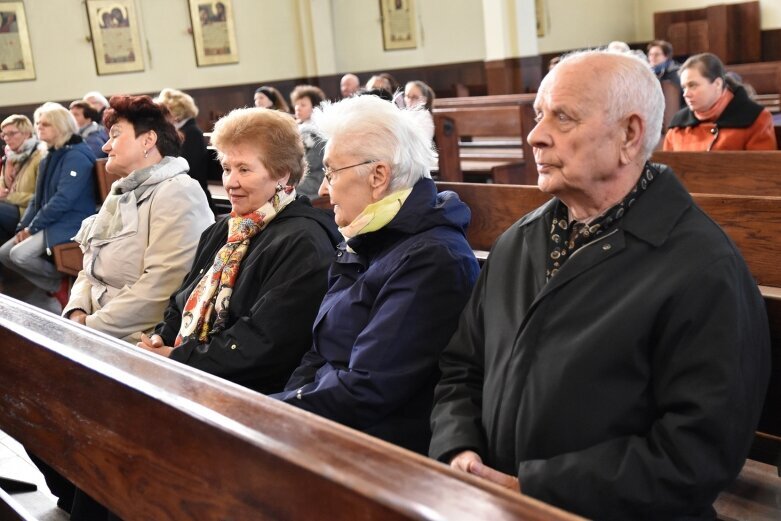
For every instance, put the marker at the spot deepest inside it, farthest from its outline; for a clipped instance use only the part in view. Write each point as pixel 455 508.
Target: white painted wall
pixel 449 31
pixel 267 40
pixel 342 36
pixel 573 24
pixel 770 12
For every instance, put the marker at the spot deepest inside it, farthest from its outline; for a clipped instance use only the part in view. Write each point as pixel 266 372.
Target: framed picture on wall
pixel 214 34
pixel 16 58
pixel 115 36
pixel 398 24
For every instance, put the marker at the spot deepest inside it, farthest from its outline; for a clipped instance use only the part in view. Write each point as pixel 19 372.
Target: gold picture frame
pixel 399 30
pixel 115 37
pixel 16 57
pixel 214 34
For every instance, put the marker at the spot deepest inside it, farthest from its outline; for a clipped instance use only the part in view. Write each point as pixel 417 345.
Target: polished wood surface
pixel 736 173
pixel 755 495
pixel 153 439
pixel 494 118
pixel 730 31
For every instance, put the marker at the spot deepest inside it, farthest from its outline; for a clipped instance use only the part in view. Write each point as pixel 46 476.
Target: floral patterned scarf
pixel 206 309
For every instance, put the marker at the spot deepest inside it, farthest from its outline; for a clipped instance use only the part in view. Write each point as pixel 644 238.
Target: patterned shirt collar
pixel 566 237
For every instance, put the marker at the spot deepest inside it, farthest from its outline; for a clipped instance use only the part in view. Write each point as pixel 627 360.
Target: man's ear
pixel 632 134
pixel 379 180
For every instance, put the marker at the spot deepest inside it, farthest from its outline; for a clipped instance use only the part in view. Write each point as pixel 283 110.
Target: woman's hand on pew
pixel 470 462
pixel 154 344
pixel 78 315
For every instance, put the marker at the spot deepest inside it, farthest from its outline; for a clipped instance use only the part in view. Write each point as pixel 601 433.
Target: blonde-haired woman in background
pixel 201 159
pixel 19 171
pixel 64 196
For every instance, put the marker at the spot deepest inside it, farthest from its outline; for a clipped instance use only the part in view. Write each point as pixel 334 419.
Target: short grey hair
pixel 631 88
pixel 60 118
pixel 384 132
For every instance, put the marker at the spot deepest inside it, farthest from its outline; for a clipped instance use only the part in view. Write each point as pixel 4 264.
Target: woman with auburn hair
pixel 19 171
pixel 268 97
pixel 140 245
pixel 137 248
pixel 64 196
pixel 246 309
pixel 184 111
pixel 719 114
pixel 305 98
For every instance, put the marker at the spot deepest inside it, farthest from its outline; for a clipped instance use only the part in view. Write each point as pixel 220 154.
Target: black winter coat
pixel 627 387
pixel 281 282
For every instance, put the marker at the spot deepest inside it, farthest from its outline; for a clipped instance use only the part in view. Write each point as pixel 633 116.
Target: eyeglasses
pixel 6 135
pixel 329 172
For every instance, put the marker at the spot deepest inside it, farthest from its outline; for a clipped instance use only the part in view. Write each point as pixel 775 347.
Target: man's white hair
pixel 96 95
pixel 379 130
pixel 631 89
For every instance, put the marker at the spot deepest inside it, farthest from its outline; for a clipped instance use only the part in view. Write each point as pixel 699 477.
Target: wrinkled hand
pixel 79 316
pixel 154 344
pixel 471 463
pixel 22 235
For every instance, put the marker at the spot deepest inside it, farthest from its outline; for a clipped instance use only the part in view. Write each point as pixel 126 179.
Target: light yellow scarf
pixel 376 215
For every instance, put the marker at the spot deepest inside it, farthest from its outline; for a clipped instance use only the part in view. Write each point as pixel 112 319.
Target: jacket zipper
pixel 592 242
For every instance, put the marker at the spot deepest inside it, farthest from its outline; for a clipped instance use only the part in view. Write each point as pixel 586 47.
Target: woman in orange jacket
pixel 718 115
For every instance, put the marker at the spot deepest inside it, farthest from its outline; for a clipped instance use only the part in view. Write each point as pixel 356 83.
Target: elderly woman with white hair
pixel 64 196
pixel 399 280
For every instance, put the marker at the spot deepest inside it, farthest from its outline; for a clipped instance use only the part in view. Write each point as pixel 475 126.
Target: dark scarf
pixel 567 237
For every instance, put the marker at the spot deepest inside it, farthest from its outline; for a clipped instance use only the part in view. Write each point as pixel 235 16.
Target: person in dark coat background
pixel 398 282
pixel 614 356
pixel 245 310
pixel 194 150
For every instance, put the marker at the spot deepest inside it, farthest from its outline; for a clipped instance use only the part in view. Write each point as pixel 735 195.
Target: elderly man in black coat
pixel 614 355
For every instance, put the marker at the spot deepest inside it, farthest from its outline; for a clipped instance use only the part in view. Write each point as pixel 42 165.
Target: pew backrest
pixel 153 439
pixel 734 173
pixel 502 119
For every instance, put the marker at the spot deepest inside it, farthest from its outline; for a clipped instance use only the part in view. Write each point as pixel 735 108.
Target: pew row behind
pixel 151 439
pixel 499 120
pixel 734 173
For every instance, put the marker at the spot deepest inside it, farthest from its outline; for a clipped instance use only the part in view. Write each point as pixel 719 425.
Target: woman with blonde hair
pixel 184 111
pixel 246 309
pixel 19 171
pixel 64 196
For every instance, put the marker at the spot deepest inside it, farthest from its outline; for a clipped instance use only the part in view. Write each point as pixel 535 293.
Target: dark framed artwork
pixel 16 57
pixel 214 34
pixel 115 36
pixel 398 24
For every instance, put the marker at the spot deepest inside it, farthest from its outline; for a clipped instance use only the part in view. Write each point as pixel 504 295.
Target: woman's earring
pixel 146 153
pixel 280 187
